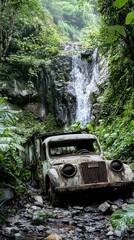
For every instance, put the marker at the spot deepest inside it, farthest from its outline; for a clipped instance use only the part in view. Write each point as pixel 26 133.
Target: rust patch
pixel 95 186
pixel 93 172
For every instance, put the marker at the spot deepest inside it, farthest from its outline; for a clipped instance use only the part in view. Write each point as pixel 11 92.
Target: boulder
pixel 104 207
pixel 6 194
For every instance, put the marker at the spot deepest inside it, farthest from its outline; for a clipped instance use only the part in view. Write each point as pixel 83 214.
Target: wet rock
pixel 113 208
pixel 28 216
pixel 65 220
pixel 30 211
pixel 40 228
pixel 10 230
pixel 87 52
pixel 118 202
pixel 6 194
pixel 38 218
pixel 38 199
pixel 35 208
pixel 27 205
pixel 124 205
pixel 18 236
pixel 89 210
pixel 78 208
pixel 104 207
pixel 81 225
pixel 71 223
pixel 38 204
pixel 110 228
pixel 110 233
pixel 53 237
pixel 130 200
pixel 118 233
pixel 90 229
pixel 27 229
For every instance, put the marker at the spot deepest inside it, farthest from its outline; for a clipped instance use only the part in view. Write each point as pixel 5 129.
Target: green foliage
pixel 89 36
pixel 122 218
pixel 25 175
pixel 19 189
pixel 117 26
pixel 132 166
pixel 6 114
pixel 28 124
pixel 71 16
pixel 41 218
pixel 117 134
pixel 10 142
pixel 50 123
pixel 120 3
pixel 88 128
pixel 27 28
pixel 27 38
pixel 116 129
pixel 74 127
pixel 130 18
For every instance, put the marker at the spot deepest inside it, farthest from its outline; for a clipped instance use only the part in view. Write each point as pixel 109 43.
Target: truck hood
pixel 77 159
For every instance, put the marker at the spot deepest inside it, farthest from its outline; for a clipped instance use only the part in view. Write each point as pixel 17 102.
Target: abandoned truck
pixel 73 164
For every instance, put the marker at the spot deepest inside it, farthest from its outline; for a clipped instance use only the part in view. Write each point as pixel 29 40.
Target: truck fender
pixel 52 176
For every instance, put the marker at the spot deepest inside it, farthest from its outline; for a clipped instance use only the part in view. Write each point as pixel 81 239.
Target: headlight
pixel 116 166
pixel 68 170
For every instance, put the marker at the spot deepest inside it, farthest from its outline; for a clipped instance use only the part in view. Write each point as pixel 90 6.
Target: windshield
pixel 73 147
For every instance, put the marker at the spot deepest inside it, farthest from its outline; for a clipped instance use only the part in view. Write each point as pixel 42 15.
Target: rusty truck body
pixel 73 164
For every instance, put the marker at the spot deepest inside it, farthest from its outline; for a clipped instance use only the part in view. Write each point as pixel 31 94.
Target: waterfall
pixel 85 79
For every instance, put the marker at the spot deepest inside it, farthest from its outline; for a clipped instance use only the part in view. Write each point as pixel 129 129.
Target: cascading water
pixel 85 79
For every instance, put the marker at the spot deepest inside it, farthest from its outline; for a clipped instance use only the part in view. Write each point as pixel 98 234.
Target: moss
pixel 60 76
pixel 29 124
pixel 50 124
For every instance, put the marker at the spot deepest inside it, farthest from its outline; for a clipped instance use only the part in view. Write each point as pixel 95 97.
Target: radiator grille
pixel 93 172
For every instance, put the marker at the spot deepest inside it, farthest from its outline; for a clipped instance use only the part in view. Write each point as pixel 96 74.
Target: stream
pixel 36 219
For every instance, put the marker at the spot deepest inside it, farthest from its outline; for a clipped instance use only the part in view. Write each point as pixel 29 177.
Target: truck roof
pixel 69 136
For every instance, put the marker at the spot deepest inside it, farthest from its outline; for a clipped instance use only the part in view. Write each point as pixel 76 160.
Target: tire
pixel 53 197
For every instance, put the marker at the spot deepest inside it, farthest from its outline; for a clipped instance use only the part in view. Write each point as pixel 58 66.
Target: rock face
pixel 64 94
pixel 75 75
pixel 53 90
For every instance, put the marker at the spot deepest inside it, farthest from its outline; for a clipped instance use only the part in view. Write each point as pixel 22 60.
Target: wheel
pixel 53 197
pixel 81 151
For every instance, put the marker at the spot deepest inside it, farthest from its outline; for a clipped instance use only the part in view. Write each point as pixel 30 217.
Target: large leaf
pixel 122 218
pixel 129 18
pixel 6 140
pixel 114 32
pixel 4 147
pixel 120 3
pixel 116 29
pixel 18 146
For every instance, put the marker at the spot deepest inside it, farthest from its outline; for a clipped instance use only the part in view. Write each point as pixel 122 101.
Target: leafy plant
pixel 10 142
pixel 122 218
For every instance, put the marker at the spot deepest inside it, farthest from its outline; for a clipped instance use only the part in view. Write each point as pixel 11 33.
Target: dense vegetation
pixel 27 38
pixel 72 21
pixel 30 35
pixel 116 41
pixel 117 103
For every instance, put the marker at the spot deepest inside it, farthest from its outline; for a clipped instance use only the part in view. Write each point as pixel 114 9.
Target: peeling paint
pixel 93 171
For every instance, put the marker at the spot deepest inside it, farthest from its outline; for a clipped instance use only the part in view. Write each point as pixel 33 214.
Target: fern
pixel 122 218
pixel 10 141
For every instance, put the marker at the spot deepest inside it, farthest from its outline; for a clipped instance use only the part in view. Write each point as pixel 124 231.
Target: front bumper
pixel 104 186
